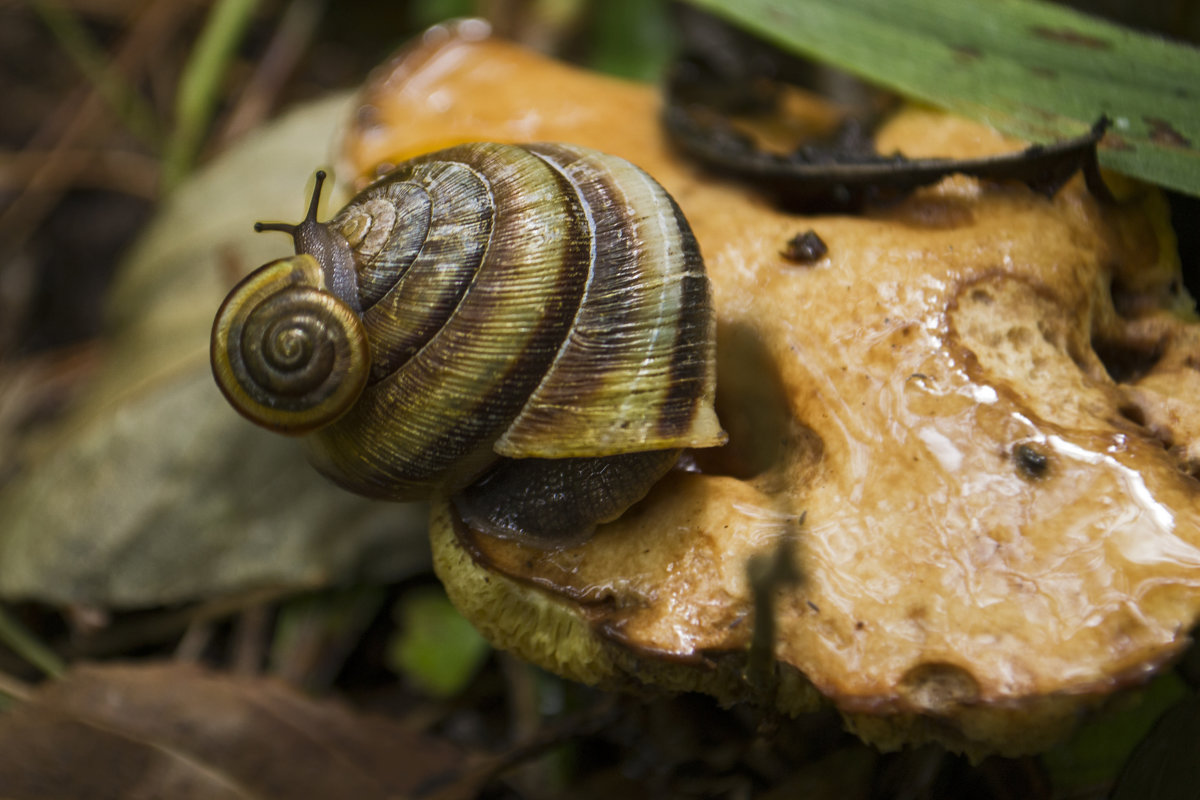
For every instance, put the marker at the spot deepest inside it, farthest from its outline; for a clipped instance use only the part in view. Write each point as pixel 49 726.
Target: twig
pixel 15 688
pixel 291 40
pixel 522 697
pixel 200 84
pixel 315 634
pixel 122 171
pixel 194 642
pixel 129 635
pixel 83 110
pixel 108 82
pixel 250 633
pixel 27 646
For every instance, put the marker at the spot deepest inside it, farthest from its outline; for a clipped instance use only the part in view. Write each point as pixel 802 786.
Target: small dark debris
pixel 813 606
pixel 805 248
pixel 1031 462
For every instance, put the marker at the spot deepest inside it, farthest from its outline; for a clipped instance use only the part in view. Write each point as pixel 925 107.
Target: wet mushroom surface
pixel 974 418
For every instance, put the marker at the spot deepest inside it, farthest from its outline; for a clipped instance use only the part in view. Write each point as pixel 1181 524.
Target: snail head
pixel 324 243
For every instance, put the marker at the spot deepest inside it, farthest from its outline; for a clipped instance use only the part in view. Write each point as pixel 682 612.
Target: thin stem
pixel 290 41
pixel 15 636
pixel 130 173
pixel 14 688
pixel 76 120
pixel 200 85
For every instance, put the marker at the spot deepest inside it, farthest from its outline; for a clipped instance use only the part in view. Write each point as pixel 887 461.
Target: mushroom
pixel 974 421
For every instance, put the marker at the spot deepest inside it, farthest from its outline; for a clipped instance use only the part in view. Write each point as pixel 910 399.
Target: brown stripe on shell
pixel 465 386
pixel 451 249
pixel 691 381
pixel 645 324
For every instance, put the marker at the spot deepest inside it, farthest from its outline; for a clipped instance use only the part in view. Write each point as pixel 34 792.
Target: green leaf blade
pixel 1029 69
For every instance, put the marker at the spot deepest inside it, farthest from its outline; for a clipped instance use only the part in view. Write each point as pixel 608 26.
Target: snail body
pixel 525 328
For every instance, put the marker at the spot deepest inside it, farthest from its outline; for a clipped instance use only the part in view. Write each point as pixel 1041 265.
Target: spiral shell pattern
pixel 287 354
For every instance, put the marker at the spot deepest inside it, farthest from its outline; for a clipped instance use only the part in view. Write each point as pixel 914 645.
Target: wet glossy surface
pixel 985 521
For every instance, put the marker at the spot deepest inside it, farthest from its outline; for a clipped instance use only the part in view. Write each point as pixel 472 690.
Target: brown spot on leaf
pixel 1115 141
pixel 1069 36
pixel 965 53
pixel 1162 133
pixel 1042 113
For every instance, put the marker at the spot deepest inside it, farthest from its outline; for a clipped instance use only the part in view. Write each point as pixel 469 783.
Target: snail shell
pixel 526 328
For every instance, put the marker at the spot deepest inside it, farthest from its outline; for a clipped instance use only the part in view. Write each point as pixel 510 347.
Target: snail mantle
pixel 974 418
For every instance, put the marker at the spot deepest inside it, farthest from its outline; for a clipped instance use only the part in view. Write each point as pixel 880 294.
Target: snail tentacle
pixel 326 245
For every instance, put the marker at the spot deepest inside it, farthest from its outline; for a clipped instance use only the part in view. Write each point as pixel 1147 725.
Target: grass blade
pixel 200 85
pixel 15 637
pixel 129 107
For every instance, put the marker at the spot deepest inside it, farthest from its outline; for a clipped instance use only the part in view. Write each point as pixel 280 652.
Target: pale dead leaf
pixel 180 732
pixel 153 490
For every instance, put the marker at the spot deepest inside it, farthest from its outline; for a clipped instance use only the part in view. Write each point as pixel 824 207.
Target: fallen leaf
pixel 177 731
pixel 153 490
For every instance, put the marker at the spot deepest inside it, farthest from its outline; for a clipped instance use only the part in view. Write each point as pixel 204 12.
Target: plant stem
pixel 200 84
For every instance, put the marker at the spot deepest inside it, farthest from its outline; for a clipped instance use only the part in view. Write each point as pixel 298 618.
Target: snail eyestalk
pixel 321 241
pixel 310 218
pixel 285 227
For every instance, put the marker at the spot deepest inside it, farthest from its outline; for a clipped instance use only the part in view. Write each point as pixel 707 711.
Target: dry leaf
pixel 177 731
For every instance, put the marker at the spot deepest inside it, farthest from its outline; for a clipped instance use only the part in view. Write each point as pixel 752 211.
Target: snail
pixel 526 329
